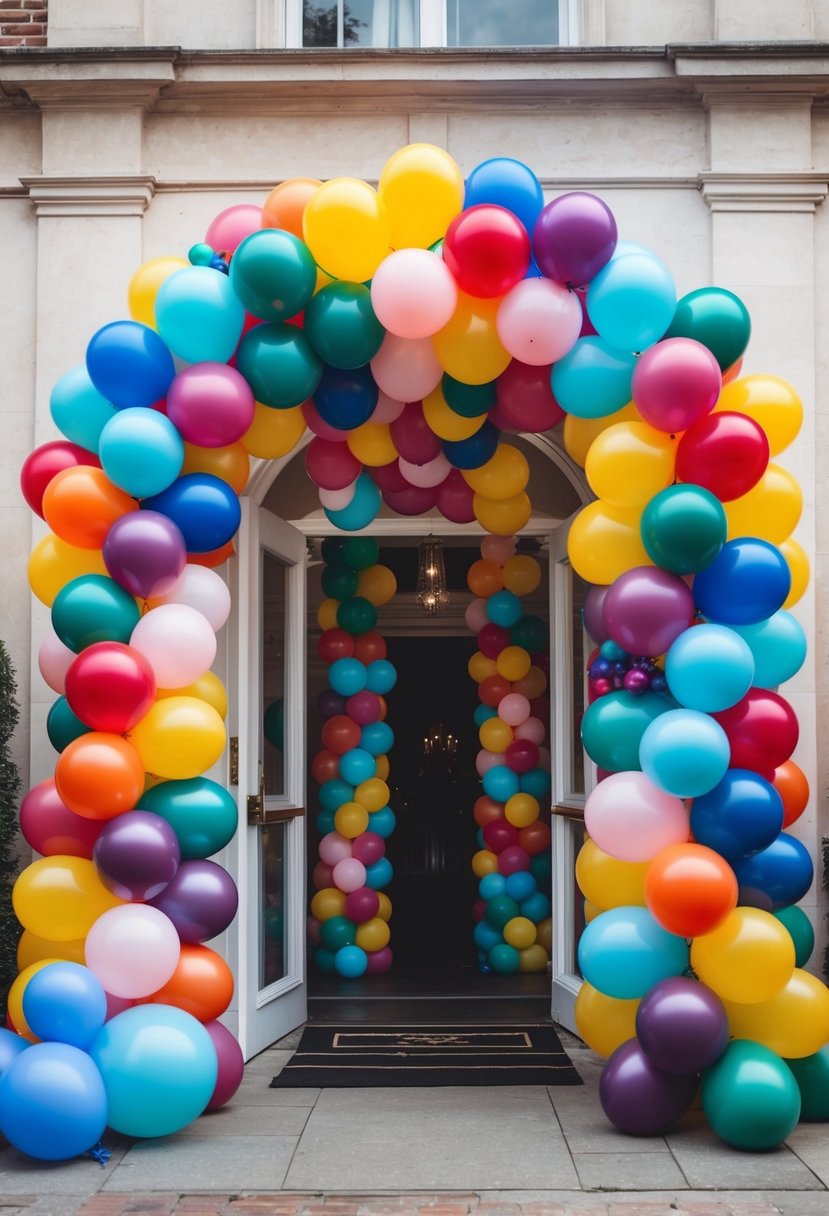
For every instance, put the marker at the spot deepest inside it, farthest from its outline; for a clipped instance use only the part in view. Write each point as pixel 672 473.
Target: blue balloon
pixel 357 765
pixel 350 962
pixel 485 937
pixel 53 1104
pixel 536 782
pixel 624 952
pixel 471 453
pixel 709 667
pixel 325 821
pixel 129 364
pixel 684 752
pixel 778 645
pixel 504 609
pixel 141 451
pixel 346 398
pixel 11 1045
pixel 536 907
pixel 332 794
pixel 347 676
pixel 507 183
pixel 381 676
pixel 632 300
pixel 593 379
pixel 382 822
pixel 377 738
pixel 379 874
pixel 198 315
pixel 78 410
pixel 67 1004
pixel 500 783
pixel 783 872
pixel 362 509
pixel 740 816
pixel 492 884
pixel 520 885
pixel 746 583
pixel 483 713
pixel 204 507
pixel 159 1066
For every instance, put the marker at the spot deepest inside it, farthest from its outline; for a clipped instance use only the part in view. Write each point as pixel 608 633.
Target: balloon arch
pixel 412 328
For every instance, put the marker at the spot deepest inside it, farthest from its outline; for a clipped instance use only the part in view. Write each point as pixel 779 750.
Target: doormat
pixel 352 1056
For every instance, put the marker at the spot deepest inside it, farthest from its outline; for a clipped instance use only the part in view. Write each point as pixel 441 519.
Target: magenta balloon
pixel 526 399
pixel 640 1098
pixel 413 437
pixel 521 755
pixel 231 226
pixel 145 552
pixel 492 639
pixel 415 500
pixel 593 613
pixel 319 426
pixel 455 499
pixel 211 404
pixel 51 828
pixel 364 708
pixel 201 900
pixel 500 834
pixel 361 905
pixel 512 860
pixel 388 477
pixel 574 236
pixel 379 961
pixel 231 1064
pixel 136 854
pixel 646 609
pixel 332 466
pixel 368 848
pixel 676 383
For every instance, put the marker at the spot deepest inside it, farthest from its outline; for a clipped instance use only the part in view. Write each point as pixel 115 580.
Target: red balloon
pixel 535 838
pixel 388 477
pixel 325 767
pixel 492 639
pixel 487 248
pixel 478 909
pixel 110 686
pixel 455 499
pixel 331 466
pixel 492 689
pixel 414 500
pixel 413 437
pixel 370 646
pixel 512 860
pixel 526 399
pixel 762 730
pixel 486 809
pixel 521 755
pixel 335 644
pixel 44 463
pixel 725 453
pixel 499 834
pixel 322 876
pixel 340 734
pixel 51 828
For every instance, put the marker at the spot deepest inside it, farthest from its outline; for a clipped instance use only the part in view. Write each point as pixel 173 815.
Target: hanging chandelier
pixel 431 590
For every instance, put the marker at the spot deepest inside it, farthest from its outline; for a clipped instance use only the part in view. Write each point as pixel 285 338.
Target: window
pixel 414 23
pixel 349 23
pixel 494 23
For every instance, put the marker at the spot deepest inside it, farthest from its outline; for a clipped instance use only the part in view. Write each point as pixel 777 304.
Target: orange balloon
pixel 99 775
pixel 532 685
pixel 216 557
pixel 486 810
pixel 690 889
pixel 201 985
pixel 793 787
pixel 81 504
pixel 535 838
pixel 484 578
pixel 231 463
pixel 285 205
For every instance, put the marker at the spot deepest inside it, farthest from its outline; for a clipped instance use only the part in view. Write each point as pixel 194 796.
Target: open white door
pixel 572 772
pixel 269 658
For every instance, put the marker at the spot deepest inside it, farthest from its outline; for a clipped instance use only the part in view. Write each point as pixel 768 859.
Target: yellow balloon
pixel 53 563
pixel 513 663
pixel 579 433
pixel 630 462
pixel 377 584
pixel 273 433
pixel 180 737
pixel 771 402
pixel 372 444
pixel 61 897
pixel 382 768
pixel 522 574
pixel 495 735
pixel 207 688
pixel 534 958
pixel 484 862
pixel 521 809
pixel 604 1022
pixel 591 911
pixel 351 820
pixel 798 563
pixel 608 882
pixel 770 510
pixel 605 541
pixel 144 286
pixel 468 346
pixel 502 516
pixel 443 420
pixel 231 463
pixel 327 903
pixel 748 958
pixel 373 794
pixel 32 949
pixel 14 1001
pixel 794 1022
pixel 373 934
pixel 347 228
pixel 480 667
pixel 520 932
pixel 423 190
pixel 504 475
pixel 385 909
pixel 545 934
pixel 327 614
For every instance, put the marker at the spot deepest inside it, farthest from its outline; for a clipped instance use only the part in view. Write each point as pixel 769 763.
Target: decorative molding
pixel 83 196
pixel 763 191
pixel 239 185
pixel 270 24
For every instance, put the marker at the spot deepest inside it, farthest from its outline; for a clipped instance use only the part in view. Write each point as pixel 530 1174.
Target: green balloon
pixel 684 528
pixel 332 549
pixel 63 726
pixel 324 960
pixel 356 615
pixel 812 1076
pixel 273 723
pixel 468 400
pixel 201 812
pixel 279 364
pixel 716 318
pixel 339 581
pixel 800 930
pixel 504 959
pixel 201 254
pixel 341 325
pixel 751 1097
pixel 613 726
pixel 93 608
pixel 500 909
pixel 531 633
pixel 338 931
pixel 273 274
pixel 360 552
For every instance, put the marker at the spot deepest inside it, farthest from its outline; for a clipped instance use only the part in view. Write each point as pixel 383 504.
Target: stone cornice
pixel 763 191
pixel 77 196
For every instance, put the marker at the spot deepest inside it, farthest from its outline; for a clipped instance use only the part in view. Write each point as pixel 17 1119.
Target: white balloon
pixel 336 500
pixel 203 589
pixel 54 660
pixel 133 949
pixel 178 642
pixel 432 473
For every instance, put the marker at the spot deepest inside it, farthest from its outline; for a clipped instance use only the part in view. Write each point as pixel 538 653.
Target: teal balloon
pixel 685 753
pixel 531 633
pixel 357 615
pixel 536 782
pixel 812 1076
pixel 751 1097
pixel 201 812
pixel 357 765
pixel 684 528
pixel 716 318
pixel 78 410
pixel 324 822
pixel 324 961
pixel 63 726
pixel 379 874
pixel 279 364
pixel 198 315
pixel 485 936
pixel 709 667
pixel 341 325
pixel 593 379
pixel 624 952
pixel 504 959
pixel 93 608
pixel 631 301
pixel 492 884
pixel 483 713
pixel 141 451
pixel 468 400
pixel 338 931
pixel 339 582
pixel 800 930
pixel 382 822
pixel 360 552
pixel 159 1068
pixel 535 907
pixel 332 794
pixel 613 726
pixel 201 254
pixel 377 738
pixel 500 909
pixel 273 274
pixel 778 645
pixel 273 723
pixel 363 508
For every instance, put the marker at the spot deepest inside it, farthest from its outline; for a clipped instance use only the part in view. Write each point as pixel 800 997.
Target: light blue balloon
pixel 363 508
pixel 53 1104
pixel 379 874
pixel 377 738
pixel 357 765
pixel 78 410
pixel 500 783
pixel 632 301
pixel 350 962
pixel 485 937
pixel 593 379
pixel 778 645
pixel 381 676
pixel 684 752
pixel 520 885
pixel 198 315
pixel 141 451
pixel 709 667
pixel 347 676
pixel 382 822
pixel 492 884
pixel 624 952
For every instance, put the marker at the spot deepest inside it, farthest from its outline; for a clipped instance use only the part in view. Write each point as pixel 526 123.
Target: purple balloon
pixel 574 236
pixel 231 1064
pixel 201 900
pixel 145 552
pixel 361 905
pixel 682 1026
pixel 330 703
pixel 592 610
pixel 368 848
pixel 640 1098
pixel 137 855
pixel 646 609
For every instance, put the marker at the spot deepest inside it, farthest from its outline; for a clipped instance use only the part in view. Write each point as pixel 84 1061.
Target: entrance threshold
pixel 398 999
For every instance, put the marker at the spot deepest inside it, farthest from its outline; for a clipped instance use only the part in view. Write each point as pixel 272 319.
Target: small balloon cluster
pixel 350 911
pixel 610 668
pixel 512 914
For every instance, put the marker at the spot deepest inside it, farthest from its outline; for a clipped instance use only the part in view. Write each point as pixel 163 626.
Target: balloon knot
pixel 99 1154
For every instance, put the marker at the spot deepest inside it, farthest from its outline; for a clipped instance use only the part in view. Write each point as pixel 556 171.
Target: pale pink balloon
pixel 387 409
pixel 475 615
pixel 485 760
pixel 349 875
pixel 430 474
pixel 334 848
pixel 316 423
pixel 201 588
pixel 406 369
pixel 514 709
pixel 336 500
pixel 532 729
pixel 631 819
pixel 539 321
pixel 231 226
pixel 178 642
pixel 133 949
pixel 498 548
pixel 413 293
pixel 54 660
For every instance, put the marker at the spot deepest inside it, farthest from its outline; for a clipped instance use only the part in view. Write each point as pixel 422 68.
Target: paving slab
pixel 426 1138
pixel 709 1163
pixel 22 1175
pixel 588 1130
pixel 810 1141
pixel 239 1119
pixel 180 1163
pixel 256 1092
pixel 634 1171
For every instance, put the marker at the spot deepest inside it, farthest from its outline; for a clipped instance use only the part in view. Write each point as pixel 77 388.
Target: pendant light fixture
pixel 431 591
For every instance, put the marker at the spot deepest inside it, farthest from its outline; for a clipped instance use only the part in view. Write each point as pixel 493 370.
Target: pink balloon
pixel 413 293
pixel 498 548
pixel 413 437
pixel 334 848
pixel 231 226
pixel 455 499
pixel 485 760
pixel 676 382
pixel 211 404
pixel 388 477
pixel 201 588
pixel 51 828
pixel 413 501
pixel 316 423
pixel 379 961
pixel 406 369
pixel 368 847
pixel 349 874
pixel 512 860
pixel 178 643
pixel 322 876
pixel 476 615
pixel 514 708
pixel 387 409
pixel 427 475
pixel 231 1064
pixel 133 949
pixel 54 660
pixel 364 707
pixel 336 500
pixel 539 321
pixel 532 729
pixel 525 398
pixel 632 819
pixel 331 466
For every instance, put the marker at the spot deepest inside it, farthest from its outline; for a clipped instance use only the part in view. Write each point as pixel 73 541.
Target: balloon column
pixel 350 911
pixel 513 927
